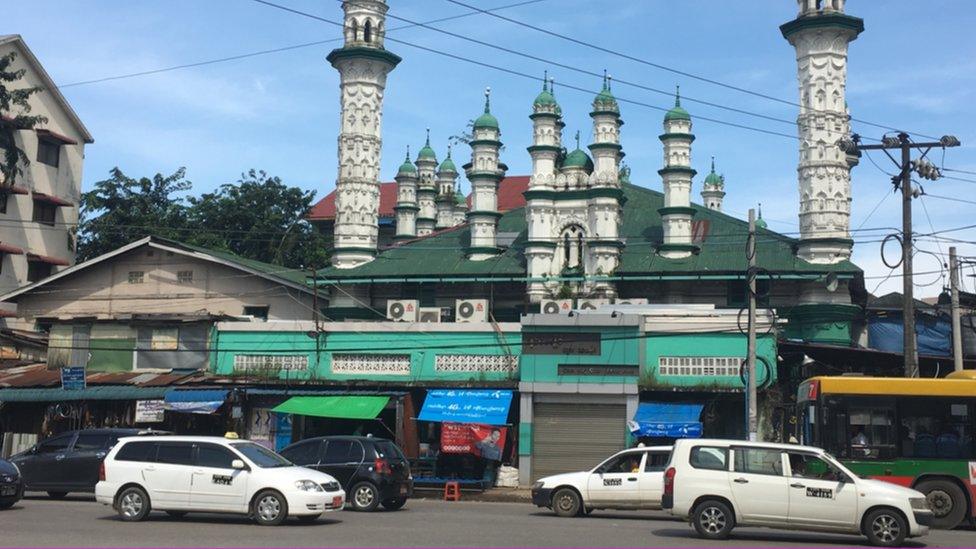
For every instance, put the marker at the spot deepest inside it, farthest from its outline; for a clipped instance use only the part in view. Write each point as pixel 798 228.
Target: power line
pixel 662 67
pixel 275 50
pixel 957 171
pixel 949 198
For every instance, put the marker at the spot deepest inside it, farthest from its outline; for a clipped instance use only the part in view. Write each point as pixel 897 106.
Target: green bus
pixel 913 432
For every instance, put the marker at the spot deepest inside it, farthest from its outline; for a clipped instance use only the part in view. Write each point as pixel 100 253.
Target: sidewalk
pixel 497 494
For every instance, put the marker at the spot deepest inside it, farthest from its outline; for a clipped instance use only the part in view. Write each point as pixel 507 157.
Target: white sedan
pixel 631 479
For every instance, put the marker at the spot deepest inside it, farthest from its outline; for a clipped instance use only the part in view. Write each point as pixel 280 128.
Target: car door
pixel 821 495
pixel 759 486
pixel 215 485
pixel 83 460
pixel 614 483
pixel 43 469
pixel 337 461
pixel 650 482
pixel 168 478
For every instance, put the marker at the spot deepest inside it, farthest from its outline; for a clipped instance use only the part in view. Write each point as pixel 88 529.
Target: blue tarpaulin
pixel 659 419
pixel 487 406
pixel 886 333
pixel 195 401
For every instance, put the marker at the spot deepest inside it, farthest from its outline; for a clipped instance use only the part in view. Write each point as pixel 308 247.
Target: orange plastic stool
pixel 452 491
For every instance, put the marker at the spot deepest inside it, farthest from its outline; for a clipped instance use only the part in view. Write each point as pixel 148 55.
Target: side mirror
pixel 33 450
pixel 238 464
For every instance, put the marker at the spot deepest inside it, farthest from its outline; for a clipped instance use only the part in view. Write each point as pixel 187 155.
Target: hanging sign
pixel 73 378
pixel 150 411
pixel 484 441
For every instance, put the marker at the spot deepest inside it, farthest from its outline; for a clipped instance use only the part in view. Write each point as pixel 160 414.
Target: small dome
pixel 677 113
pixel 605 100
pixel 545 97
pixel 460 199
pixel 760 223
pixel 713 178
pixel 578 159
pixel 427 153
pixel 447 165
pixel 407 167
pixel 486 120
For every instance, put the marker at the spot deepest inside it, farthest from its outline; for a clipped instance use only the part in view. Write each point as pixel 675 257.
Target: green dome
pixel 605 99
pixel 407 167
pixel 460 199
pixel 578 159
pixel 760 223
pixel 427 153
pixel 447 165
pixel 677 113
pixel 486 120
pixel 713 178
pixel 545 97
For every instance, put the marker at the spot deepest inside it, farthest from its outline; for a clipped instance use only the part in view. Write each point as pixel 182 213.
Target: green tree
pixel 121 209
pixel 260 218
pixel 14 107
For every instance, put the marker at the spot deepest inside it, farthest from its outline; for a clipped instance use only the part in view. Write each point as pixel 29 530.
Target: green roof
pixel 341 407
pixel 426 152
pixel 407 166
pixel 677 113
pixel 295 276
pixel 460 199
pixel 486 120
pixel 447 165
pixel 442 255
pixel 713 178
pixel 578 159
pixel 605 101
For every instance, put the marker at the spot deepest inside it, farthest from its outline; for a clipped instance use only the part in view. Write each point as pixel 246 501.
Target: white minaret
pixel 821 34
pixel 406 207
pixel 713 190
pixel 363 64
pixel 604 206
pixel 677 174
pixel 426 189
pixel 547 142
pixel 446 184
pixel 485 172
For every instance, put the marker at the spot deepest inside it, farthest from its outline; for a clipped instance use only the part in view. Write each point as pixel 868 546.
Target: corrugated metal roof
pixel 107 392
pixel 38 376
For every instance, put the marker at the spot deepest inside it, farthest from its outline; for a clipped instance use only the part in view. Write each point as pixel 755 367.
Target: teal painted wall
pixel 703 345
pixel 422 348
pixel 618 346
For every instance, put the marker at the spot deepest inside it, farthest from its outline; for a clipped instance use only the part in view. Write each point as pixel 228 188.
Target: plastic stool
pixel 452 491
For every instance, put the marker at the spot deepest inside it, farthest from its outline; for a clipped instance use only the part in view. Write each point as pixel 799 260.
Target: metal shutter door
pixel 575 437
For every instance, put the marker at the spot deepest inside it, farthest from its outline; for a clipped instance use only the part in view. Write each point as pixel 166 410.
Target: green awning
pixel 92 392
pixel 346 407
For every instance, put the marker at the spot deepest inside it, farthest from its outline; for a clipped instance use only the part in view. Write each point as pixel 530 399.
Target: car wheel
pixel 947 501
pixel 308 519
pixel 133 504
pixel 713 519
pixel 566 503
pixel 270 508
pixel 885 527
pixel 364 496
pixel 57 495
pixel 176 514
pixel 394 504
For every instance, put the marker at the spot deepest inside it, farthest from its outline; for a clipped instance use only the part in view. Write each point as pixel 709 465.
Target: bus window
pixel 871 430
pixel 937 428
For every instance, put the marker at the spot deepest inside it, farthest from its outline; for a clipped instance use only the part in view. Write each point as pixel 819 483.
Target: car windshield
pixel 836 463
pixel 261 456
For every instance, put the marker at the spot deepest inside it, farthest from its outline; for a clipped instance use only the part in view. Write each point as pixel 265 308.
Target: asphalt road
pixel 79 521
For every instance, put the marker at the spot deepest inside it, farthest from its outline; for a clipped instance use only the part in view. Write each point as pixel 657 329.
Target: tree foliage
pixel 259 217
pixel 14 117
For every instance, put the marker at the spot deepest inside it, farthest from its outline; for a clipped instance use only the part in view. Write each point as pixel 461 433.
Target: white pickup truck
pixel 631 479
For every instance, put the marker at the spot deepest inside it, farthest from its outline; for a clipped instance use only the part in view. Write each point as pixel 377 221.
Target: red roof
pixel 51 199
pixel 509 198
pixel 10 249
pixel 47 259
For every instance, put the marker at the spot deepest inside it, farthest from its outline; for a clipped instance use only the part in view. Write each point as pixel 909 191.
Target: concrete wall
pixel 16 227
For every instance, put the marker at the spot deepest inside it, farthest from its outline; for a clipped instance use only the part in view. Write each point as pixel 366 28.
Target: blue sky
pixel 279 112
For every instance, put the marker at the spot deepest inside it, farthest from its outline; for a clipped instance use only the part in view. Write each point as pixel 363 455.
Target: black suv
pixel 11 486
pixel 69 462
pixel 372 471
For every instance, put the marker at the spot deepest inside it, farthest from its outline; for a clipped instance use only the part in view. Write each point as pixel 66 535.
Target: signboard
pixel 484 441
pixel 560 343
pixel 73 378
pixel 477 406
pixel 598 370
pixel 149 411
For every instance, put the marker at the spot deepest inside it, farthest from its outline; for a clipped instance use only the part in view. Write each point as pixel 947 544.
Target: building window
pixel 257 311
pixel 368 32
pixel 738 293
pixel 37 270
pixel 164 339
pixel 184 277
pixel 136 277
pixel 44 212
pixel 48 152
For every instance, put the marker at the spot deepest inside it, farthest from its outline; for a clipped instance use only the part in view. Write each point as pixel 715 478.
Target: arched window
pixel 368 32
pixel 355 31
pixel 573 241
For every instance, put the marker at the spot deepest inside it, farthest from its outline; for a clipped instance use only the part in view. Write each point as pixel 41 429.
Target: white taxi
pixel 631 479
pixel 720 484
pixel 181 474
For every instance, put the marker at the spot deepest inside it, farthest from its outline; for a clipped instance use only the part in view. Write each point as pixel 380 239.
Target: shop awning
pixel 51 199
pixel 345 407
pixel 10 249
pixel 487 406
pixel 661 419
pixel 96 392
pixel 195 401
pixel 50 260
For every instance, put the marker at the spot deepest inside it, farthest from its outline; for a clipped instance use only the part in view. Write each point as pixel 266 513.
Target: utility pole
pixel 752 419
pixel 906 166
pixel 956 324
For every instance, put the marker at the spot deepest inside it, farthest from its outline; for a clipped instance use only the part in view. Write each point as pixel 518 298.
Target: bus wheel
pixel 947 502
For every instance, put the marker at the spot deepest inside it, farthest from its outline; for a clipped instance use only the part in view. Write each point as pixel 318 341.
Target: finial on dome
pixel 408 153
pixel 713 163
pixel 428 137
pixel 677 96
pixel 545 80
pixel 448 151
pixel 488 100
pixel 577 139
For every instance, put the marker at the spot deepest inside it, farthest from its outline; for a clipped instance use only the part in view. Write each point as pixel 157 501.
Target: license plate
pixel 337 501
pixel 8 490
pixel 403 489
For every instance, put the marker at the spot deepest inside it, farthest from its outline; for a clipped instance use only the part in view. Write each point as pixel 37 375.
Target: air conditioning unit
pixel 630 301
pixel 402 310
pixel 555 306
pixel 588 304
pixel 471 310
pixel 429 314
